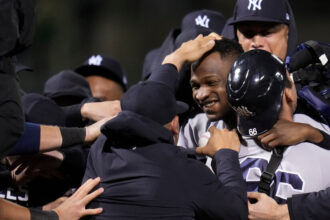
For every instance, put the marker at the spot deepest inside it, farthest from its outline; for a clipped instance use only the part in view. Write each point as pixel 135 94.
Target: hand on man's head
pixel 192 50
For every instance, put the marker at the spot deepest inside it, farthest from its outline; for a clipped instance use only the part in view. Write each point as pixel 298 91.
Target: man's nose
pixel 202 94
pixel 258 42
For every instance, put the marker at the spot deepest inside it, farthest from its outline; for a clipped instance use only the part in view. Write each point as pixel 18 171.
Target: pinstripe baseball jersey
pixel 304 167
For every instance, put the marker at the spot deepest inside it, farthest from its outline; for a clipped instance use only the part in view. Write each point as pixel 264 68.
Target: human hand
pixel 25 168
pixel 96 111
pixel 266 208
pixel 54 204
pixel 94 130
pixel 192 50
pixel 286 133
pixel 220 139
pixel 75 206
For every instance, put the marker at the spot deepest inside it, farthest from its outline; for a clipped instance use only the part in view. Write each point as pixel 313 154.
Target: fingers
pixel 199 150
pixel 87 187
pixel 253 195
pixel 93 211
pixel 93 195
pixel 215 35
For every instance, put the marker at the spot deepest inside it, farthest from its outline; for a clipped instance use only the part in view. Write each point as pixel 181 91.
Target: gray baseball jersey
pixel 304 167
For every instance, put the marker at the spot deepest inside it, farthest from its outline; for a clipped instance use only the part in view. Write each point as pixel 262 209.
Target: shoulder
pixel 302 118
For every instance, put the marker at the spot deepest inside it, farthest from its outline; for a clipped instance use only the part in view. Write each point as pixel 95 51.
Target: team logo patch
pixel 254 5
pixel 279 76
pixel 244 111
pixel 95 60
pixel 202 21
pixel 253 131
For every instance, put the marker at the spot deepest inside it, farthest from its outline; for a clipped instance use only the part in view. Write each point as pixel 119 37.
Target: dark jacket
pixel 313 205
pixel 146 177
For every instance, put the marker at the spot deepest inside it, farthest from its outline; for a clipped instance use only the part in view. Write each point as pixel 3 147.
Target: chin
pixel 212 117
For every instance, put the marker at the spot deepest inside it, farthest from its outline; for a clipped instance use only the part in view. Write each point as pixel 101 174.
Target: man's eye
pixel 194 86
pixel 266 33
pixel 212 83
pixel 248 34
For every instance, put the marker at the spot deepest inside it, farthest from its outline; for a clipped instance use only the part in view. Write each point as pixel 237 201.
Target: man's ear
pixel 175 125
pixel 288 95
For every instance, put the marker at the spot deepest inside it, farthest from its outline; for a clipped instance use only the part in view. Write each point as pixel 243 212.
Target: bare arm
pixel 192 50
pixel 12 211
pixel 286 133
pixel 96 111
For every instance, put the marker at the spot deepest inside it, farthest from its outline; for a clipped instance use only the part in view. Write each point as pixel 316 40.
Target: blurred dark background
pixel 69 31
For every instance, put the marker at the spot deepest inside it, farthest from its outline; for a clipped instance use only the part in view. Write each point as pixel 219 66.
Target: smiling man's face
pixel 208 82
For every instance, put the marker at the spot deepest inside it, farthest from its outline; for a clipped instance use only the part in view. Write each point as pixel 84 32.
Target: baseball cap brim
pixel 262 121
pixel 257 18
pixel 181 107
pixel 91 70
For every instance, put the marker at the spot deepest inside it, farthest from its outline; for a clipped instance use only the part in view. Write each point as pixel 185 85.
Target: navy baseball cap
pixel 67 83
pixel 210 19
pixel 154 100
pixel 254 88
pixel 103 66
pixel 277 11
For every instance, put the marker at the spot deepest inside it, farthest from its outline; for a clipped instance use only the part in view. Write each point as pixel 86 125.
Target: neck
pixel 286 112
pixel 230 120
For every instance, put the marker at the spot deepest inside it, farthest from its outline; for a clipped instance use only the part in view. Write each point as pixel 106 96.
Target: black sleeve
pixel 74 164
pixel 314 205
pixel 11 113
pixel 167 74
pixel 17 23
pixel 226 198
pixel 229 171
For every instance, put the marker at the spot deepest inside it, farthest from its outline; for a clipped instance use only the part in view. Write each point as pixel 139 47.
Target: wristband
pixel 43 215
pixel 72 136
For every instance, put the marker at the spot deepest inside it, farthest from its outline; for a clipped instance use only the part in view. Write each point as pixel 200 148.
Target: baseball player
pixel 260 91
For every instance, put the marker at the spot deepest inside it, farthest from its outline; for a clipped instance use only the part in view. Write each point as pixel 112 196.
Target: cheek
pixel 245 43
pixel 279 46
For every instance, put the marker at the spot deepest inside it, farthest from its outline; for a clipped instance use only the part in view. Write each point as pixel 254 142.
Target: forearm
pixel 11 211
pixel 313 135
pixel 53 137
pixel 176 59
pixel 50 138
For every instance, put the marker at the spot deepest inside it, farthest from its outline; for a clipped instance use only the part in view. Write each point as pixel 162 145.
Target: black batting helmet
pixel 254 89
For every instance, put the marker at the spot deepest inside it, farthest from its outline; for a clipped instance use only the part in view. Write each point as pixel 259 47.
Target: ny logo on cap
pixel 243 111
pixel 204 22
pixel 256 4
pixel 95 60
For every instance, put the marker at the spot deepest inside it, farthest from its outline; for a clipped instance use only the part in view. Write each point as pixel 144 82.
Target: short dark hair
pixel 225 47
